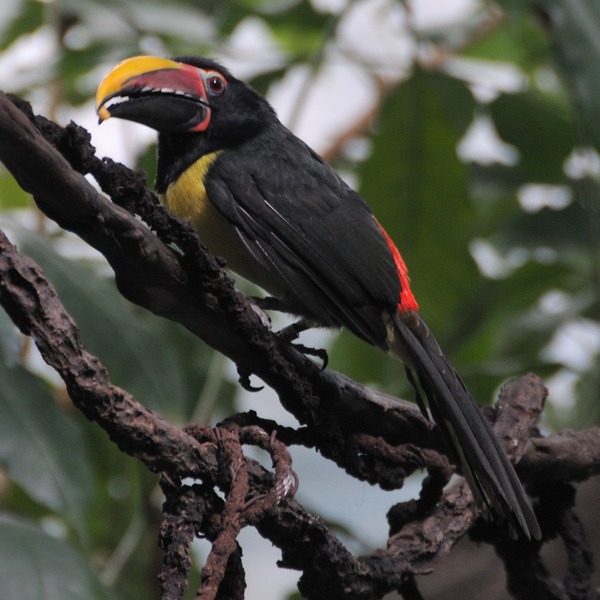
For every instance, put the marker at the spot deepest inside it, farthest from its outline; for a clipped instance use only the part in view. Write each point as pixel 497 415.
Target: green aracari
pixel 284 219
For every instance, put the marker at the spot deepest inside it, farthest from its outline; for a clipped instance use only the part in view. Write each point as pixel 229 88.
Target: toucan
pixel 284 219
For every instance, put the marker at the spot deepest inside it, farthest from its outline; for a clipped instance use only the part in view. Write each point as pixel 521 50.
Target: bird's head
pixel 185 95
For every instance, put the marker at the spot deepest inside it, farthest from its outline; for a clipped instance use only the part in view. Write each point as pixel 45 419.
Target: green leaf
pixel 35 566
pixel 574 29
pixel 499 321
pixel 73 66
pixel 29 17
pixel 11 194
pixel 41 448
pixel 301 29
pixel 494 187
pixel 541 131
pixel 518 40
pixel 565 231
pixel 9 340
pixel 586 412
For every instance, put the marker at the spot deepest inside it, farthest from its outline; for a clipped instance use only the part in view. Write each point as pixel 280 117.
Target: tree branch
pixel 193 290
pixel 374 437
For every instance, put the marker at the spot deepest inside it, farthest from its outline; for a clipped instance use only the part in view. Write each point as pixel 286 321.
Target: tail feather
pixel 490 475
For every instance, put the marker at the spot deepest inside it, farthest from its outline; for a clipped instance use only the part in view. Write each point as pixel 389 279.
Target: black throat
pixel 175 153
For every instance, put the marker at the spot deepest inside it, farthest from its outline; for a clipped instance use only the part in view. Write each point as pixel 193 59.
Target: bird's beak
pixel 163 94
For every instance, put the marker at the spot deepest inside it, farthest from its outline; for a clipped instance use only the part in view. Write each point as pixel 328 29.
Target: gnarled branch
pixel 374 437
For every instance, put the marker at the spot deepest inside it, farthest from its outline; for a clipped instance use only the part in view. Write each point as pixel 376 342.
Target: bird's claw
pixel 244 380
pixel 318 352
pixel 292 332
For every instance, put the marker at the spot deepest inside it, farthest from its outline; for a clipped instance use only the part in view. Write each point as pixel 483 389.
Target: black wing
pixel 302 223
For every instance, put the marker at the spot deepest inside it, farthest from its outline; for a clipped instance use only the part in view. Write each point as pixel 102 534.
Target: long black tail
pixel 485 466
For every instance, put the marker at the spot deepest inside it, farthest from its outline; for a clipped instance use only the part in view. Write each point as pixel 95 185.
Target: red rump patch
pixel 407 301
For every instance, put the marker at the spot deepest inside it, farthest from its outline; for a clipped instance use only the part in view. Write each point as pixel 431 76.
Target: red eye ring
pixel 215 83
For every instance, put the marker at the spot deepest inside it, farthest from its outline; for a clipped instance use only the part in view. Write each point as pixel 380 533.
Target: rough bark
pixel 372 436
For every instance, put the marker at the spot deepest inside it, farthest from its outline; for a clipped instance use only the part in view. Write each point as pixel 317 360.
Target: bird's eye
pixel 215 83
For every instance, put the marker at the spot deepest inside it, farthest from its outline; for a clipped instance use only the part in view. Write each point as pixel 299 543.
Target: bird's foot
pixel 291 332
pixel 288 334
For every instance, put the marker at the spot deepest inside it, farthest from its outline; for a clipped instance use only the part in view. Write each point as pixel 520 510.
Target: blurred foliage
pixel 504 249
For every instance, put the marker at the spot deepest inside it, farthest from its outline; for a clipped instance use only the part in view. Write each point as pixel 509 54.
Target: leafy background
pixel 471 127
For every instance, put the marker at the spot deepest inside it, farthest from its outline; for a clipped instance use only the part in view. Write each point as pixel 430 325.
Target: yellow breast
pixel 187 198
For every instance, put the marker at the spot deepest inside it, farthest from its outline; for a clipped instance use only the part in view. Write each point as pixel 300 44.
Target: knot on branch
pixel 197 510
